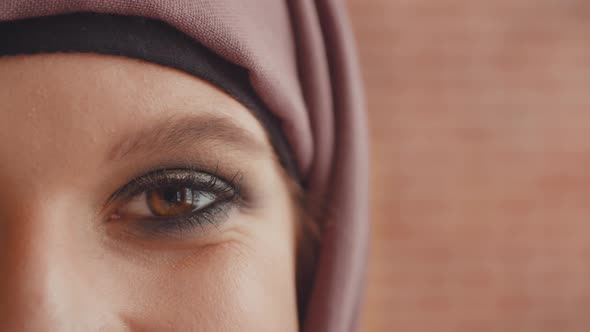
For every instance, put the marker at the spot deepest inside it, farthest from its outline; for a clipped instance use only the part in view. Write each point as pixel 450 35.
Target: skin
pixel 72 132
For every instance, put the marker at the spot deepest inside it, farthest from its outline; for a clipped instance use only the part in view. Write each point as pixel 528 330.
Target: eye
pixel 173 200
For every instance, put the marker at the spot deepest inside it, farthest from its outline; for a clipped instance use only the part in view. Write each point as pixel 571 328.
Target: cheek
pixel 225 287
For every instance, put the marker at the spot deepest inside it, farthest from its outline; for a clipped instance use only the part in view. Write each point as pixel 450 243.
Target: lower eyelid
pixel 201 222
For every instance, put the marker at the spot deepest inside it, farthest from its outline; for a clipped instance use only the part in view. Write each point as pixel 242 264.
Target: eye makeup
pixel 173 202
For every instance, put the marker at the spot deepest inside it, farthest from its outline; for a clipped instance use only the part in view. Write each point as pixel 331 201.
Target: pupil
pixel 175 201
pixel 172 195
pixel 172 201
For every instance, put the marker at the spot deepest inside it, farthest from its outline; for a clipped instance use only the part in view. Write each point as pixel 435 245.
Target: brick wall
pixel 480 119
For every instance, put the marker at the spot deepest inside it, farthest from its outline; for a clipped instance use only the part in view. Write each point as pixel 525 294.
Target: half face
pixel 137 197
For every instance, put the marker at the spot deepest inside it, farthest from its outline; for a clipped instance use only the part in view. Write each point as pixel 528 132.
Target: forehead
pixel 76 105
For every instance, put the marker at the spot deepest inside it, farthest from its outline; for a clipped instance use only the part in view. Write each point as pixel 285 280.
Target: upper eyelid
pixel 143 182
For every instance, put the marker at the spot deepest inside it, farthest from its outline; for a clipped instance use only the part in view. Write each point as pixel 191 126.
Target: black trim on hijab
pixel 146 39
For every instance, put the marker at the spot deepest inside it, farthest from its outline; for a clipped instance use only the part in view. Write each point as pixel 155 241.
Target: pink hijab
pixel 302 63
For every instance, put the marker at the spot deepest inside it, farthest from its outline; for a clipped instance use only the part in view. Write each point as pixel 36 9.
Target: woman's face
pixel 137 197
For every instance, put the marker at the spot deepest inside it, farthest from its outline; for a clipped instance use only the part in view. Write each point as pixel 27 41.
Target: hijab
pixel 297 58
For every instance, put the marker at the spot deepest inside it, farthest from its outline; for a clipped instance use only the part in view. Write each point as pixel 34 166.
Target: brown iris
pixel 173 201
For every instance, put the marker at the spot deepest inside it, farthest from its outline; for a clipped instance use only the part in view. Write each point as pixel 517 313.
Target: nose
pixel 42 283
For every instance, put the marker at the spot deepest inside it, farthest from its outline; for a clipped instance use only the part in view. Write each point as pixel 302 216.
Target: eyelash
pixel 226 191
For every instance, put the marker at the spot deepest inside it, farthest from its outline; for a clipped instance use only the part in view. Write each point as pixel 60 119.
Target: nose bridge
pixel 46 267
pixel 29 269
pixel 43 286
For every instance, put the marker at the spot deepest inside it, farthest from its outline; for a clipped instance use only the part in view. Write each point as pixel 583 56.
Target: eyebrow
pixel 179 132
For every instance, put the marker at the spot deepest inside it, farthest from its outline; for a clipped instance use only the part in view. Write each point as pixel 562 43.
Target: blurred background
pixel 480 128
